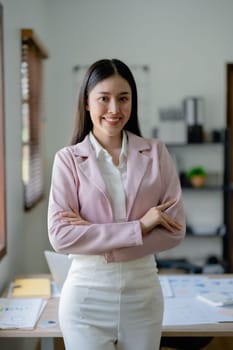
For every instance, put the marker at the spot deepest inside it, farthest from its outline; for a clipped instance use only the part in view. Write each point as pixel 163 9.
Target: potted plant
pixel 197 176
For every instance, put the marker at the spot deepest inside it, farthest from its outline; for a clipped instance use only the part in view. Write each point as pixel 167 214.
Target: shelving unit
pixel 207 208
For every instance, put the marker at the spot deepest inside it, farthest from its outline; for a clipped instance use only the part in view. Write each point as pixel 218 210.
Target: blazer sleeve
pixel 171 189
pixel 81 239
pixel 160 239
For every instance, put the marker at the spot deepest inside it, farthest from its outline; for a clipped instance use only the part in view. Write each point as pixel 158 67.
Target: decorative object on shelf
pixel 197 176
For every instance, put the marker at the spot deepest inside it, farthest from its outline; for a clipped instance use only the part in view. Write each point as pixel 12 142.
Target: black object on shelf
pixel 184 180
pixel 193 114
pixel 195 133
pixel 217 136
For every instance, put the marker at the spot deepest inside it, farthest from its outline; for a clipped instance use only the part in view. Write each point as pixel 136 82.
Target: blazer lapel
pixel 137 165
pixel 89 165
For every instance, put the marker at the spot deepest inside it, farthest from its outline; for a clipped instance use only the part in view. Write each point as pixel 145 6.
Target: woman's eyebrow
pixel 109 93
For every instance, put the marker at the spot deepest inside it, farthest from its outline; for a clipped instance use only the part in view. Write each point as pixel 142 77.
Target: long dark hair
pixel 97 72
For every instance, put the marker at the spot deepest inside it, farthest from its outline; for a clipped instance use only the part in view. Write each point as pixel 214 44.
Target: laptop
pixel 59 265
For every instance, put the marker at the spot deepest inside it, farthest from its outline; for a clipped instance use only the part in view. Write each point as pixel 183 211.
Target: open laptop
pixel 59 265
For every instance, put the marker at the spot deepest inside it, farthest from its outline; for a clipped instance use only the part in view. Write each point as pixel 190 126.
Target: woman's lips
pixel 112 121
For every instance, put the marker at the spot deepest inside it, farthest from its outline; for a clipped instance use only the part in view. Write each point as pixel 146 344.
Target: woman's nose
pixel 113 106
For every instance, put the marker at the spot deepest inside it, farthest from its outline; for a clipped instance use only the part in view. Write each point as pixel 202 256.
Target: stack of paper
pixel 20 312
pixel 31 287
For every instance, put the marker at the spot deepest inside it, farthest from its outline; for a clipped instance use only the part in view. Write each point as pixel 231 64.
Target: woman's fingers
pixel 166 205
pixel 157 217
pixel 165 220
pixel 169 223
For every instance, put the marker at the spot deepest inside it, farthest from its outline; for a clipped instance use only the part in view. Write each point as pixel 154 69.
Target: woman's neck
pixel 112 144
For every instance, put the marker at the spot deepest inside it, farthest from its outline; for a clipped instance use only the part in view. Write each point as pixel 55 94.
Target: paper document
pixel 166 287
pixel 186 285
pixel 181 299
pixel 20 312
pixel 186 311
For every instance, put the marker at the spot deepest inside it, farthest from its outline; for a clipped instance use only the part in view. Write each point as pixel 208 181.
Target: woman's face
pixel 109 104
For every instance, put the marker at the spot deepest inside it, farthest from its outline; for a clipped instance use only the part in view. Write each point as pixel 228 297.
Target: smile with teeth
pixel 112 120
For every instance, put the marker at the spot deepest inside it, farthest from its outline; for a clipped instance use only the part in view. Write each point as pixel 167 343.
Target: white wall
pixel 186 43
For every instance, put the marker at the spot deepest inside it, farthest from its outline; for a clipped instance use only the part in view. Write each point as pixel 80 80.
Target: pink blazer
pixel 77 184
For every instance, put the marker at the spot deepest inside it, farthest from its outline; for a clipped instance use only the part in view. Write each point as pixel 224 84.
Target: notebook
pixel 59 265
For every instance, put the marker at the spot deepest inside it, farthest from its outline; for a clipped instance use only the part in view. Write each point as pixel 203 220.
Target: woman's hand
pixel 73 218
pixel 155 216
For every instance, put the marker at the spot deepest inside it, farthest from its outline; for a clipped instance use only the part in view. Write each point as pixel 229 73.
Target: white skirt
pixel 111 305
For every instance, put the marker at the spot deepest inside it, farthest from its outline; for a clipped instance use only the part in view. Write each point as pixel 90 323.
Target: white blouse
pixel 114 176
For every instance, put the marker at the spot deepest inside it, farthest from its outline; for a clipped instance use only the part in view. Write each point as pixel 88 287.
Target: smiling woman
pixel 2 151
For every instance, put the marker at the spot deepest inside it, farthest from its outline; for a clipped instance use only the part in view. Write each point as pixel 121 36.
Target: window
pixel 31 91
pixel 2 151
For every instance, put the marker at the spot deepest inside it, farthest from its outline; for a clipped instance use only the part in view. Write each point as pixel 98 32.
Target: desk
pixel 46 335
pixel 50 313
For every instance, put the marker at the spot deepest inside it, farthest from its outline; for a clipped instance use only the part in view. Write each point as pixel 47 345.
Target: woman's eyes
pixel 124 98
pixel 104 98
pixel 107 99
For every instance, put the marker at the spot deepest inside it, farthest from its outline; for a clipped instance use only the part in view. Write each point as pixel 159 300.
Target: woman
pixel 115 201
